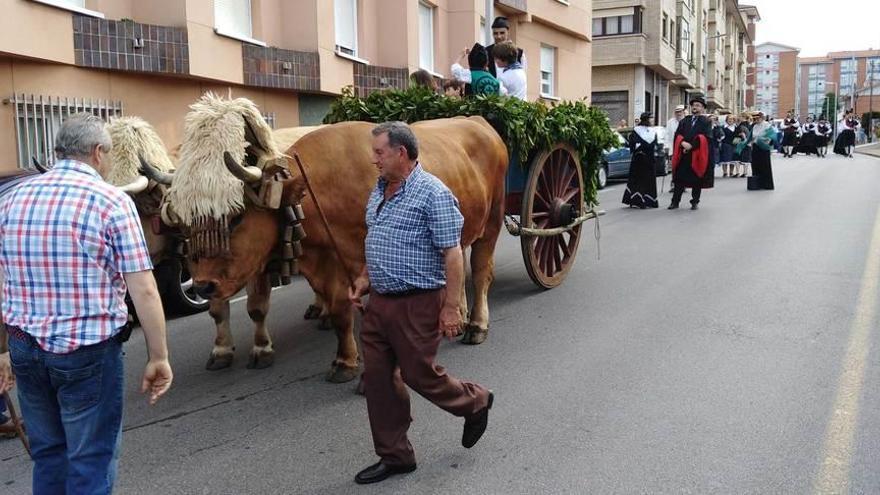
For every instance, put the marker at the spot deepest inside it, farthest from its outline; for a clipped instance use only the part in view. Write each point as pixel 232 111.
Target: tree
pixel 829 106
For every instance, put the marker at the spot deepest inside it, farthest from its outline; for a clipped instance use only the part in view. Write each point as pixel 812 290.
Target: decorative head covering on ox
pixel 133 139
pixel 203 188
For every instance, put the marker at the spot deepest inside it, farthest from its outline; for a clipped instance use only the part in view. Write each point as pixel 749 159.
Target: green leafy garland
pixel 526 127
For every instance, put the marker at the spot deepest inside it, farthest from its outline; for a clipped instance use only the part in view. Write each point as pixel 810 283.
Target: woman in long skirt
pixel 728 148
pixel 742 152
pixel 846 140
pixel 641 188
pixel 763 140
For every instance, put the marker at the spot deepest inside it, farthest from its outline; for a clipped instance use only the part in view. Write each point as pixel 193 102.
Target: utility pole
pixel 871 102
pixel 490 16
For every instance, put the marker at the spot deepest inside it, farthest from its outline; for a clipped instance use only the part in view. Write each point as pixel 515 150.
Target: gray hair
pixel 79 135
pixel 399 134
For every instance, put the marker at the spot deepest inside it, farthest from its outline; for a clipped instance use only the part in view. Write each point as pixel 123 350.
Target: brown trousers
pixel 402 333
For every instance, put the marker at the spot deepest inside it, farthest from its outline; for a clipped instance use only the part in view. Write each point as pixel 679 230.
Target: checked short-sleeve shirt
pixel 406 237
pixel 66 238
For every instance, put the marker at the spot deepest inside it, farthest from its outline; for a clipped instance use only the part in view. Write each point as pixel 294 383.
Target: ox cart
pixel 547 197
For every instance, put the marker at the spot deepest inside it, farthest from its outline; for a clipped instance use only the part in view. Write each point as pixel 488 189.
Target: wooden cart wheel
pixel 554 197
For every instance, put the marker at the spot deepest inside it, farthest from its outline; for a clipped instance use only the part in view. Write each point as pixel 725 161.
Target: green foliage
pixel 526 127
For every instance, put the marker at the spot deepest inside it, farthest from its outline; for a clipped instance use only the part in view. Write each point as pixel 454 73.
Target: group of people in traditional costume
pixel 497 69
pixel 696 143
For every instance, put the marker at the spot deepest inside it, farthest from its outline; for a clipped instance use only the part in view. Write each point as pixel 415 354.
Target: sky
pixel 819 26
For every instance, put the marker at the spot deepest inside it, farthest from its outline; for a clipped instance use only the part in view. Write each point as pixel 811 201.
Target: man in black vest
pixel 500 34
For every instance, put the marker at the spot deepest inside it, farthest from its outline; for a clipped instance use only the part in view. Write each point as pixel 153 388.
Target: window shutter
pixel 233 17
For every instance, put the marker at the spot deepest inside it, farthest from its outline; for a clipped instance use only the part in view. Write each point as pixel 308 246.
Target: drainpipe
pixel 490 16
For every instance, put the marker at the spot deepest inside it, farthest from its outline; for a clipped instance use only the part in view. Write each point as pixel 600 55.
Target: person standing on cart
pixel 691 162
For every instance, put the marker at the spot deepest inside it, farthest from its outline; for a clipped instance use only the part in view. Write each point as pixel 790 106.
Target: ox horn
pixel 155 174
pixel 39 166
pixel 138 186
pixel 247 174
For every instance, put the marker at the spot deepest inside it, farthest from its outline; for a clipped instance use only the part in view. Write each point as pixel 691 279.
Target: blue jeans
pixel 72 404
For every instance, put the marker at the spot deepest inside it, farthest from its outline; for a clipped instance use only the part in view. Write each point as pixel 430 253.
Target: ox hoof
pixel 261 360
pixel 474 335
pixel 340 373
pixel 325 324
pixel 313 312
pixel 361 387
pixel 219 362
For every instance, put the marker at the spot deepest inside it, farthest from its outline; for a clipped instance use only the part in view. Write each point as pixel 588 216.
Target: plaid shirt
pixel 66 238
pixel 407 236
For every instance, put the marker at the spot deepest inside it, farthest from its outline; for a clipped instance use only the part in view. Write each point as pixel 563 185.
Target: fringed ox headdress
pixel 133 139
pixel 203 187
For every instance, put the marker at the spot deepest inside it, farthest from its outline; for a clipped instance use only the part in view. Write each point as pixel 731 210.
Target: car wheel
pixel 602 177
pixel 178 294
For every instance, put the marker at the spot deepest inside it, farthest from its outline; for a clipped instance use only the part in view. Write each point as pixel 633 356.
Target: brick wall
pixel 271 67
pixel 371 78
pixel 108 44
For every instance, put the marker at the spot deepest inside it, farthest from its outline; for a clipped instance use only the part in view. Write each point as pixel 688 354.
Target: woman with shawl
pixel 763 140
pixel 641 189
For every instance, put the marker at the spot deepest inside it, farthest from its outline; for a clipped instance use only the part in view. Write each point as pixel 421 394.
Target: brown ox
pixel 466 154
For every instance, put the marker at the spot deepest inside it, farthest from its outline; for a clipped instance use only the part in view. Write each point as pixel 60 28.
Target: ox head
pixel 135 141
pixel 226 193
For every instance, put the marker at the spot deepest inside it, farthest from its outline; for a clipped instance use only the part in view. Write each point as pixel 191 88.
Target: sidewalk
pixel 872 149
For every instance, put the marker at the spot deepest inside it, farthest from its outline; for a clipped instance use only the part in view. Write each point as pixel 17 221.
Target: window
pixel 623 21
pixel 345 23
pixel 38 118
pixel 684 40
pixel 426 37
pixel 672 32
pixel 548 70
pixel 233 17
pixel 78 6
pixel 872 68
pixel 665 26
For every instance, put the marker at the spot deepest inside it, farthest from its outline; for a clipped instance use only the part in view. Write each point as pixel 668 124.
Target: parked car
pixel 616 161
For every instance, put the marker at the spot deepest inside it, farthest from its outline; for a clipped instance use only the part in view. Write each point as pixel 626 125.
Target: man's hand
pixel 686 146
pixel 358 291
pixel 157 379
pixel 450 322
pixel 7 379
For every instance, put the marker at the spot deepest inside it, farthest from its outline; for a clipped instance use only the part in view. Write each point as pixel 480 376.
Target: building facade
pixel 652 55
pixel 752 17
pixel 849 75
pixel 776 91
pixel 154 58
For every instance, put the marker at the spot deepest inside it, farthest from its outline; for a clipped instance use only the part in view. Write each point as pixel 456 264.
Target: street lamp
pixel 836 96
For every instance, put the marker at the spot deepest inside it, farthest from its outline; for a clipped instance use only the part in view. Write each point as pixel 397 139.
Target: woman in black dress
pixel 763 141
pixel 641 189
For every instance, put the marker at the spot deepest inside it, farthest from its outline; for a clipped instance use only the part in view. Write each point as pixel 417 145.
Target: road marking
pixel 833 474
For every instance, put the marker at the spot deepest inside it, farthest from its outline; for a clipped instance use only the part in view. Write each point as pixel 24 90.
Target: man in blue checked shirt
pixel 70 246
pixel 413 274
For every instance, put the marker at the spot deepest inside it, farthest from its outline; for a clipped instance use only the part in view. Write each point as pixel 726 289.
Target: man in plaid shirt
pixel 414 274
pixel 70 246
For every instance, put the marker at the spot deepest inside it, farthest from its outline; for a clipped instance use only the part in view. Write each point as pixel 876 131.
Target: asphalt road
pixel 727 350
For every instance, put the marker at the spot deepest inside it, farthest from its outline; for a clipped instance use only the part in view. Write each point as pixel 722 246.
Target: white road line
pixel 833 476
pixel 242 298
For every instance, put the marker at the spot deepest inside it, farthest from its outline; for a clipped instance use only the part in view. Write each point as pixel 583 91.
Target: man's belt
pixel 16 332
pixel 411 292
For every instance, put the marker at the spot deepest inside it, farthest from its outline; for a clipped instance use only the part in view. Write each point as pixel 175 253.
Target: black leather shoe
pixel 673 206
pixel 475 425
pixel 695 207
pixel 379 472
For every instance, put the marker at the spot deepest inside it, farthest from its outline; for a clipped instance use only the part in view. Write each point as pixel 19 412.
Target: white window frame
pixel 341 49
pixel 68 5
pixel 426 40
pixel 548 55
pixel 231 32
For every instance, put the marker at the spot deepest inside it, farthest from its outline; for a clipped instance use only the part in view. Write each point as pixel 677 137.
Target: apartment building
pixel 847 74
pixel 752 17
pixel 775 67
pixel 154 58
pixel 652 55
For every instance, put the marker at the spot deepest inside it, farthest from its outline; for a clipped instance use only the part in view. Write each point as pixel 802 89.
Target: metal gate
pixel 615 104
pixel 38 118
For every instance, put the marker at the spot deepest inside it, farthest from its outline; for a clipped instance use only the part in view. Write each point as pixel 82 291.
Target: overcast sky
pixel 819 26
